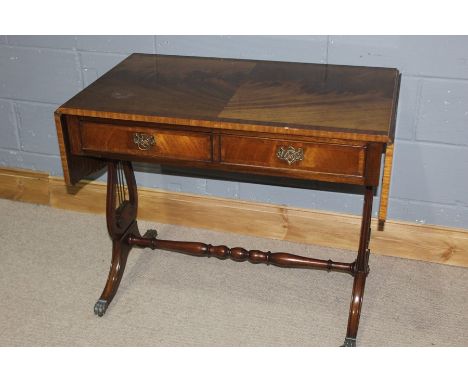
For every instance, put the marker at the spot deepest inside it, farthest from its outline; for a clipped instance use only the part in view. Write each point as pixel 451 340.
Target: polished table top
pixel 353 102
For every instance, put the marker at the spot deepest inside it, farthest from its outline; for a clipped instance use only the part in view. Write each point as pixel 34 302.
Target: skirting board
pixel 435 244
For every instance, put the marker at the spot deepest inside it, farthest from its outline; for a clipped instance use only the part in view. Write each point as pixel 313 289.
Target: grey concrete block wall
pixel 116 44
pixel 279 48
pixel 9 132
pixel 56 42
pixel 37 73
pixel 443 112
pixel 36 132
pixel 93 65
pixel 426 56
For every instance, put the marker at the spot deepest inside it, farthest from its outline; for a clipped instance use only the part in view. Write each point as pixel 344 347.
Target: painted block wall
pixel 430 177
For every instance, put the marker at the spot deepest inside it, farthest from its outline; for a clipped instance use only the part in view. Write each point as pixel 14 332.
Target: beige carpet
pixel 53 265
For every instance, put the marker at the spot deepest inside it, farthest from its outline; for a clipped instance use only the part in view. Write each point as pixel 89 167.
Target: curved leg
pixel 120 250
pixel 361 270
pixel 120 215
pixel 355 309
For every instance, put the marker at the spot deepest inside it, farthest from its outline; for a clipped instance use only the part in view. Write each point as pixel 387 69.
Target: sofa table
pixel 287 121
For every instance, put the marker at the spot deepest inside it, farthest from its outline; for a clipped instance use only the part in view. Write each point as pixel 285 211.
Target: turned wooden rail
pixel 279 259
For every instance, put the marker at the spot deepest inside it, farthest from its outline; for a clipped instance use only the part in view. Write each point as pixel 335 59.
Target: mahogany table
pixel 284 120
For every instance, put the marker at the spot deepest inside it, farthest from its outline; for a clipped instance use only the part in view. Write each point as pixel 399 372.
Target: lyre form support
pixel 121 212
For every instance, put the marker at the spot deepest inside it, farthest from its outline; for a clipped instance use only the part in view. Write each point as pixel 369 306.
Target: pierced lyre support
pixel 121 211
pixel 122 201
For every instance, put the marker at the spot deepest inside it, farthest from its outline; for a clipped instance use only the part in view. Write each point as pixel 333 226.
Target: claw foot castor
pixel 349 343
pixel 100 307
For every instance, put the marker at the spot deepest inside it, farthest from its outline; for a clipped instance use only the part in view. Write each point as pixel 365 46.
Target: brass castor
pixel 349 343
pixel 100 307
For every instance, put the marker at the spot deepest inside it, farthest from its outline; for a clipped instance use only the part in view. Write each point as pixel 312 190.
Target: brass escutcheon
pixel 144 141
pixel 290 154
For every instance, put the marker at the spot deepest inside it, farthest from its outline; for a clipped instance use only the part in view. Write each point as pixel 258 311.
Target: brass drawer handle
pixel 290 154
pixel 144 141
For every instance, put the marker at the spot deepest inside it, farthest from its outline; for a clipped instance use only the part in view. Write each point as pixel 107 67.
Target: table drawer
pixel 294 155
pixel 144 141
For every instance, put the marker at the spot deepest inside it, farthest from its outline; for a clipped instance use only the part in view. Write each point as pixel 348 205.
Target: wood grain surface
pixel 195 90
pixel 24 185
pixel 175 144
pixel 224 97
pixel 320 157
pixel 385 190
